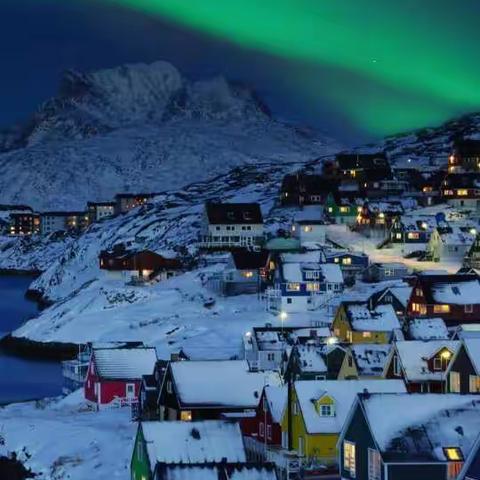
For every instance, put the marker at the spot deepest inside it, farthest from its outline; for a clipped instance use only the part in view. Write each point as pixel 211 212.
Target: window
pixel 441 308
pixel 217 228
pixel 293 287
pixel 344 209
pixel 326 411
pixel 347 261
pixel 413 236
pixel 295 408
pixel 469 308
pixel 419 292
pixel 248 274
pixel 261 430
pixel 437 363
pixel 366 334
pixel 398 236
pixel 270 357
pixel 313 287
pixel 474 384
pixel 389 272
pixel 349 463
pixel 186 416
pixel 289 300
pixel 269 432
pixel 307 228
pixel 453 453
pixel 285 439
pixel 319 377
pixel 397 371
pixel 336 259
pixel 374 465
pixel 454 382
pixel 462 192
pixel 300 446
pixel 169 387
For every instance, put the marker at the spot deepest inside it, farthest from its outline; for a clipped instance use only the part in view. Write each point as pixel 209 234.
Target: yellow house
pixel 354 322
pixel 317 412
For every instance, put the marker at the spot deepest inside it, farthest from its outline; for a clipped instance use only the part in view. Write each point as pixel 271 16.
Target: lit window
pixel 336 259
pixel 454 382
pixel 474 384
pixel 366 334
pixel 413 236
pixel 398 236
pixel 344 209
pixel 347 261
pixel 307 228
pixel 293 287
pixel 374 465
pixel 186 416
pixel 462 192
pixel 453 453
pixel 313 287
pixel 330 209
pixel 441 308
pixel 349 463
pixel 468 308
pixel 248 274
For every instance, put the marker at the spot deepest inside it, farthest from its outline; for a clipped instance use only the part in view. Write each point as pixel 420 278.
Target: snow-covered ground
pixel 62 438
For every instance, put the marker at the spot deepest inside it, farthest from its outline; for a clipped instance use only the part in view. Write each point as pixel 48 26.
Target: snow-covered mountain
pixel 141 128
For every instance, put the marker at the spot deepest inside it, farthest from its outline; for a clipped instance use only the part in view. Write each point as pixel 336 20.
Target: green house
pixel 340 210
pixel 185 443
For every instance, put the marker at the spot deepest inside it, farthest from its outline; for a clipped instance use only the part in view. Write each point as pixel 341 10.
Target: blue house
pixel 351 263
pixel 412 229
pixel 303 281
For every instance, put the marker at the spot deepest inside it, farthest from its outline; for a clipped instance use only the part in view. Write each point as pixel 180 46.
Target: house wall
pixel 417 472
pixel 310 232
pixel 463 366
pixel 358 433
pixel 140 468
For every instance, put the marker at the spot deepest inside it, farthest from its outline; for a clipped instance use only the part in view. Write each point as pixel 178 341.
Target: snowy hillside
pixel 141 128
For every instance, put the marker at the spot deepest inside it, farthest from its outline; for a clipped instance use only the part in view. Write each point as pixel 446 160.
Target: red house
pixel 265 426
pixel 115 374
pixel 455 298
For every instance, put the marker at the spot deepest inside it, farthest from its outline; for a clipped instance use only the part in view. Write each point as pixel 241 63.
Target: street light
pixel 283 316
pixel 332 340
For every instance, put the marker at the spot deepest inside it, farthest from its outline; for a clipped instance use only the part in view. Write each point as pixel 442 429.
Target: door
pixel 130 390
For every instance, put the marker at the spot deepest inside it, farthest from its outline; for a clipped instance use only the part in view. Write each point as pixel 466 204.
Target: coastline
pixel 27 348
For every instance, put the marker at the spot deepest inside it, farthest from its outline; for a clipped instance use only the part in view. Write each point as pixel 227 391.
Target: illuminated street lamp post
pixel 283 316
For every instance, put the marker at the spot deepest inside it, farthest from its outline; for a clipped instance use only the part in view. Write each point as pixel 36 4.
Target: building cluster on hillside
pixel 367 370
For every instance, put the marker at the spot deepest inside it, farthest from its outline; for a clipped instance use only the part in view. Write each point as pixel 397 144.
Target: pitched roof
pixel 415 354
pixel 370 358
pixel 343 392
pixel 472 346
pixel 233 213
pixel 418 427
pixel 277 401
pixel 209 441
pixel 124 363
pixel 428 329
pixel 226 383
pixel 249 259
pixel 381 319
pixel 440 288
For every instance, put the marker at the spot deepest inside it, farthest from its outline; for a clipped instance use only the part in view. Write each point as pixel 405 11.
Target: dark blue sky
pixel 41 38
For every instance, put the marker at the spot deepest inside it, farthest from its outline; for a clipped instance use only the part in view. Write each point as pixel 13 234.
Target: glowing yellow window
pixel 330 209
pixel 307 228
pixel 347 261
pixel 441 308
pixel 313 287
pixel 366 334
pixel 293 287
pixel 344 209
pixel 248 274
pixel 413 235
pixel 453 453
pixel 462 192
pixel 186 416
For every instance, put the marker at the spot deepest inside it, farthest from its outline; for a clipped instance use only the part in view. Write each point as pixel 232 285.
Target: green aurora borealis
pixel 391 65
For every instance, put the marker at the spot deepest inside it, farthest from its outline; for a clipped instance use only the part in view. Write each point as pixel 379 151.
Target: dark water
pixel 22 378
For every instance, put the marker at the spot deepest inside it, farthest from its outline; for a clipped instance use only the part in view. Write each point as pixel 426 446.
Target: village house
pixel 325 361
pixel 316 413
pixel 227 225
pixel 245 272
pixel 352 264
pixel 380 272
pixel 465 156
pixel 24 223
pixel 51 222
pixel 206 390
pixel 368 169
pixel 399 436
pixel 462 191
pixel 309 227
pixel 264 347
pixel 124 202
pixel 99 210
pixel 422 365
pixel 397 296
pixel 6 211
pixel 450 244
pixel 160 444
pixel 303 282
pixel 375 219
pixel 370 359
pixel 264 429
pixel 301 189
pixel 341 210
pixel 355 322
pixel 115 373
pixel 412 229
pixel 466 330
pixel 427 329
pixel 463 371
pixel 137 265
pixel 453 297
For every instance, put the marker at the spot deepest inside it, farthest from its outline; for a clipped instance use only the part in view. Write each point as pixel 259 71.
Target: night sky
pixel 358 69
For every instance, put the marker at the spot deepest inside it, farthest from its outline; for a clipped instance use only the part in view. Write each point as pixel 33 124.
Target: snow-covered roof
pixel 421 425
pixel 214 472
pixel 332 272
pixel 220 383
pixel 309 213
pixel 277 401
pixel 455 236
pixel 124 363
pixel 208 441
pixel 402 294
pixel 457 293
pixel 311 357
pixel 370 357
pixel 269 339
pixel 343 392
pixel 472 346
pixel 414 356
pixel 313 256
pixel 382 319
pixel 428 329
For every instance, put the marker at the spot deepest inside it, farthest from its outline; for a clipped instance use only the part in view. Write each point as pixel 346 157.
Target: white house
pixel 309 226
pixel 451 243
pixel 99 210
pixel 62 221
pixel 227 225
